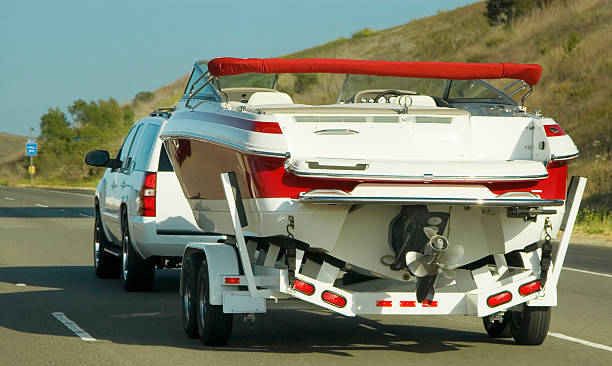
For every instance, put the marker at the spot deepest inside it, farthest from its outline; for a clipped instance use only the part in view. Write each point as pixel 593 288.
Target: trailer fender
pixel 221 259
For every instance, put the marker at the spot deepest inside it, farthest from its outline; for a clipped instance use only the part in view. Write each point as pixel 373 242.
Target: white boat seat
pixel 260 98
pixel 422 101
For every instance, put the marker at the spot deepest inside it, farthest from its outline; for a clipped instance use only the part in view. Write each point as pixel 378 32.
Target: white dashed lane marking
pixel 73 327
pixel 9 198
pixel 580 341
pixel 39 205
pixel 589 272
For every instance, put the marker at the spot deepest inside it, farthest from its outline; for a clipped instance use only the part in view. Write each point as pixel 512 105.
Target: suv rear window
pixel 145 145
pixel 164 161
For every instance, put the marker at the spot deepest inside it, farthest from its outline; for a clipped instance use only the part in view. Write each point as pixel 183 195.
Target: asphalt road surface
pixel 45 268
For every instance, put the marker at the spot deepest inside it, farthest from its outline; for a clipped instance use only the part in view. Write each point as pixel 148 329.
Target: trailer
pixel 239 274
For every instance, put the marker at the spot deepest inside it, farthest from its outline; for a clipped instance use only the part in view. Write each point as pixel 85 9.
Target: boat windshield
pixel 267 81
pixel 197 84
pixel 364 88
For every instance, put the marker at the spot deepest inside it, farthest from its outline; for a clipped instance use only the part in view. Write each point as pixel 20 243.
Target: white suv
pixel 142 219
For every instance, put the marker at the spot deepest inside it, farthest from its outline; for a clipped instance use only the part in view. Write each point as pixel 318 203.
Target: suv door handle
pixel 113 185
pixel 123 184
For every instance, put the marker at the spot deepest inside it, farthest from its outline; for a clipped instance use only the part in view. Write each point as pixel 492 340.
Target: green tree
pixel 65 141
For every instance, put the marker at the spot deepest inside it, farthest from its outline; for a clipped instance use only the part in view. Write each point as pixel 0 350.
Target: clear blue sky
pixel 53 52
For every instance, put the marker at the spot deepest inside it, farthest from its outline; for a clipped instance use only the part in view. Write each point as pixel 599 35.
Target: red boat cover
pixel 224 66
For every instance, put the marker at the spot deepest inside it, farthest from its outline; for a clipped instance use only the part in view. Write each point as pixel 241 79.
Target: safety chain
pixel 547 250
pixel 290 253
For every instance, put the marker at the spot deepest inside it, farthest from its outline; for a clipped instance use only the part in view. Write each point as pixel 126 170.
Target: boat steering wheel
pixel 392 91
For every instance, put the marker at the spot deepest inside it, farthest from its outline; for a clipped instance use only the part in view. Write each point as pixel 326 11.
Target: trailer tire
pixel 214 326
pixel 189 283
pixel 137 273
pixel 497 329
pixel 106 265
pixel 530 326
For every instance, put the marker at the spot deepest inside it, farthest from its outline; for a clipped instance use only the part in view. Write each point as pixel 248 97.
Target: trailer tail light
pixel 499 299
pixel 530 287
pixel 147 195
pixel 384 303
pixel 303 287
pixel 334 299
pixel 232 280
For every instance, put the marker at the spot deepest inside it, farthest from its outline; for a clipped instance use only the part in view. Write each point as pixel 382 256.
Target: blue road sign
pixel 31 149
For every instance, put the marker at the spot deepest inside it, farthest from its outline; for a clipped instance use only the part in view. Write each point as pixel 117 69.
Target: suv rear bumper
pixel 148 242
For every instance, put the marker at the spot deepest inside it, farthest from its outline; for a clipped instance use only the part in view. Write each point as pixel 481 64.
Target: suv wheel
pixel 106 265
pixel 137 273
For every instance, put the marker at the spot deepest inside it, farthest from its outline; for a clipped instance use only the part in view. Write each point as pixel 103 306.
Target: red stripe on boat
pixel 266 177
pixel 241 123
pixel 530 73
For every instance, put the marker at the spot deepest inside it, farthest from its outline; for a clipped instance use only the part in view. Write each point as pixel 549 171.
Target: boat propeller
pixel 440 257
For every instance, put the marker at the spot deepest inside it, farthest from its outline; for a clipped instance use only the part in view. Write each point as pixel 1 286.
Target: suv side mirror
pixel 101 158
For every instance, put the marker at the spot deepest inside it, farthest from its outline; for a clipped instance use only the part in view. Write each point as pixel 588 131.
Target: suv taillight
pixel 147 195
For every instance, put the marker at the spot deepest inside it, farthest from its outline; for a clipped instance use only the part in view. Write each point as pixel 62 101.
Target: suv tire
pixel 137 273
pixel 106 265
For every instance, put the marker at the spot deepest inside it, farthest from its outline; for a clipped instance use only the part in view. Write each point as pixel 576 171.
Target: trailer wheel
pixel 530 326
pixel 106 265
pixel 214 326
pixel 496 328
pixel 137 273
pixel 189 280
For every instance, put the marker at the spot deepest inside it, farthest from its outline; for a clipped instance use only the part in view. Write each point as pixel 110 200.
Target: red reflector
pixel 150 180
pixel 499 299
pixel 407 304
pixel 333 299
pixel 429 304
pixel 384 303
pixel 530 288
pixel 553 130
pixel 303 287
pixel 232 280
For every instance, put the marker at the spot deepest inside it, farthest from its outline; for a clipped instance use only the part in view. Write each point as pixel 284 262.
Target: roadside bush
pixel 506 11
pixel 365 32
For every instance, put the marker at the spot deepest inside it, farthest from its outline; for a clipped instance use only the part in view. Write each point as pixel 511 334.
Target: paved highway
pixel 45 268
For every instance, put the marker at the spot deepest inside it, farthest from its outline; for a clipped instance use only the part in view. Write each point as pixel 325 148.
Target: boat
pixel 419 170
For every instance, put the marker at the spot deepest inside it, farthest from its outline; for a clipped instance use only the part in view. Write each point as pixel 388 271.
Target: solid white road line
pixel 9 198
pixel 581 341
pixel 73 327
pixel 76 194
pixel 39 205
pixel 588 272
